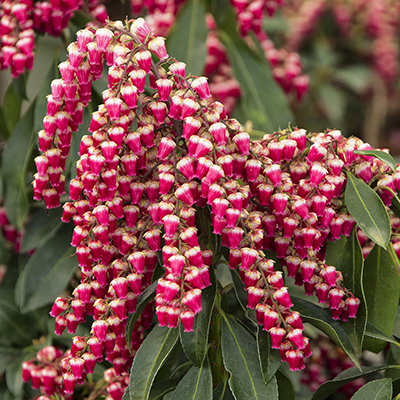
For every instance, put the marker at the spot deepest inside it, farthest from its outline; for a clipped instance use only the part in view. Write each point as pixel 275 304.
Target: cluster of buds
pixel 19 19
pixel 45 372
pixel 156 168
pixel 325 364
pixel 10 233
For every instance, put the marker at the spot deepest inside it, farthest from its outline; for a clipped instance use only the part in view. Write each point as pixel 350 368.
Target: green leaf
pixel 380 389
pixel 321 319
pixel 196 384
pixel 382 291
pixel 14 376
pixel 334 249
pixel 149 359
pixel 187 41
pixel 7 355
pixel 241 294
pixel 263 102
pixel 222 391
pixel 367 208
pixel 349 375
pixel 11 107
pixel 270 359
pixel 285 387
pixel 20 86
pixel 161 388
pixel 3 126
pixel 373 332
pixel 16 156
pixel 195 343
pixel 48 271
pixel 351 265
pixel 142 301
pixel 238 350
pixel 381 155
pixel 42 225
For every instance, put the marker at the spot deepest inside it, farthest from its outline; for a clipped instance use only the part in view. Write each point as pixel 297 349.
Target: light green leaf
pixel 16 156
pixel 285 387
pixel 270 359
pixel 381 155
pixel 351 265
pixel 195 343
pixel 321 319
pixel 382 291
pixel 368 210
pixel 47 272
pixel 262 101
pixel 142 301
pixel 187 41
pixel 11 107
pixel 349 375
pixel 42 225
pixel 196 384
pixel 149 359
pixel 380 389
pixel 238 350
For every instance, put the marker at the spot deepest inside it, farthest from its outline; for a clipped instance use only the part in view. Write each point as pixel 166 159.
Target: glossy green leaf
pixel 368 210
pixel 161 388
pixel 42 225
pixel 149 359
pixel 262 101
pixel 222 391
pixel 373 332
pixel 142 301
pixel 241 294
pixel 48 271
pixel 285 387
pixel 195 343
pixel 382 290
pixel 196 384
pixel 11 107
pixel 351 265
pixel 381 155
pixel 238 350
pixel 380 389
pixel 187 41
pixel 349 375
pixel 321 319
pixel 334 249
pixel 270 359
pixel 16 156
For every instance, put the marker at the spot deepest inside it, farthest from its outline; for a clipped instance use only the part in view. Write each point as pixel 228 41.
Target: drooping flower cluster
pixel 155 169
pixel 19 20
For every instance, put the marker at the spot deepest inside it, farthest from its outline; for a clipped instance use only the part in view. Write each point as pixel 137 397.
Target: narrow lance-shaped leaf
pixel 47 272
pixel 367 208
pixel 241 294
pixel 349 375
pixel 11 108
pixel 270 358
pixel 222 391
pixel 373 332
pixel 383 156
pixel 195 343
pixel 196 384
pixel 382 291
pixel 161 388
pixel 321 319
pixel 149 359
pixel 380 389
pixel 351 265
pixel 285 387
pixel 142 301
pixel 16 155
pixel 238 350
pixel 187 41
pixel 262 101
